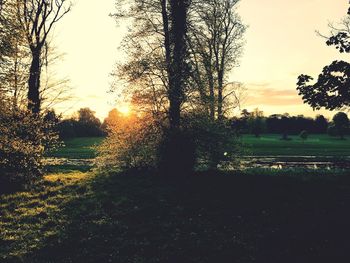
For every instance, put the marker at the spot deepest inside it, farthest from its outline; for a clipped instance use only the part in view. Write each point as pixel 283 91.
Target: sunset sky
pixel 281 44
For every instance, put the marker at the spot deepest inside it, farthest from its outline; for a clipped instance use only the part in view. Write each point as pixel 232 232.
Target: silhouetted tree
pixel 341 123
pixel 331 90
pixel 215 42
pixel 85 124
pixel 304 135
pixel 256 122
pixel 88 125
pixel 37 18
pixel 321 124
pixel 13 56
pixel 285 126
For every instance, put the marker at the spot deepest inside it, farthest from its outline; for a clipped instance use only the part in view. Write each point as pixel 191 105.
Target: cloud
pixel 261 94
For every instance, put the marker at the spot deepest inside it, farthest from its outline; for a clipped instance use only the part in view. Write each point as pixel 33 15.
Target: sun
pixel 125 109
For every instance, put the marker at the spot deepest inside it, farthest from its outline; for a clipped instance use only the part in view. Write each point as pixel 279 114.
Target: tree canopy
pixel 331 90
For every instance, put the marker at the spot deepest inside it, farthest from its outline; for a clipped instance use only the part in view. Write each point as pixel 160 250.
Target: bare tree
pixel 37 18
pixel 216 43
pixel 13 55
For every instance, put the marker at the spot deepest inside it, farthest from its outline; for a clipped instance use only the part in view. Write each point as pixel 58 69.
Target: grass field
pixel 78 148
pixel 80 217
pixel 315 145
pixel 266 145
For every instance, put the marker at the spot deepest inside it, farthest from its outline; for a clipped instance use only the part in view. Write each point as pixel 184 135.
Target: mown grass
pixel 78 148
pixel 315 145
pixel 82 217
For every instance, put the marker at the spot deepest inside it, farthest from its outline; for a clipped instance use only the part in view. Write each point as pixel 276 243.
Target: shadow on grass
pixel 201 219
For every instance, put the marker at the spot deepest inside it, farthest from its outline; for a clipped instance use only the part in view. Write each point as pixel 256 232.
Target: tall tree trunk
pixel 178 65
pixel 211 96
pixel 34 83
pixel 220 95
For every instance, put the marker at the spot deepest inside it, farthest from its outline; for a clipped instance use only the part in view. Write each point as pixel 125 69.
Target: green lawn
pixel 80 217
pixel 78 148
pixel 315 145
pixel 266 145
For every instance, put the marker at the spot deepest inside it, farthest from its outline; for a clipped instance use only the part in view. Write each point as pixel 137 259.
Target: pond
pixel 288 162
pixel 264 162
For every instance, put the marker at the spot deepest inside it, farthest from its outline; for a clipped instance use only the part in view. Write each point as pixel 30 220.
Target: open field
pixel 78 148
pixel 315 145
pixel 266 145
pixel 81 217
pixel 76 155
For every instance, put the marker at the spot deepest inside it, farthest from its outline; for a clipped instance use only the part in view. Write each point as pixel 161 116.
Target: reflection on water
pixel 287 162
pixel 265 162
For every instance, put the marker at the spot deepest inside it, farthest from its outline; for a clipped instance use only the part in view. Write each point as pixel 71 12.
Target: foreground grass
pixel 315 145
pixel 81 217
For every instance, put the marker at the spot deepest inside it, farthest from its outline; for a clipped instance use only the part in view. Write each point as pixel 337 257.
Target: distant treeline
pixel 256 123
pixel 85 124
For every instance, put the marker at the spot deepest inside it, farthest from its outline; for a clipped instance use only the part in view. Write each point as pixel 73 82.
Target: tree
pixel 304 135
pixel 160 72
pixel 341 123
pixel 321 124
pixel 37 18
pixel 285 126
pixel 256 122
pixel 331 89
pixel 88 125
pixel 13 56
pixel 216 42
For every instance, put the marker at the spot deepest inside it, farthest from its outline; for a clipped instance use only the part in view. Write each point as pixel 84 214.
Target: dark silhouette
pixel 331 90
pixel 341 123
pixel 37 19
pixel 84 125
pixel 251 123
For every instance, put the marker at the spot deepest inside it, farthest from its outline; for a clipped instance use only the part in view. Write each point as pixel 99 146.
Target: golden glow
pixel 124 109
pixel 281 44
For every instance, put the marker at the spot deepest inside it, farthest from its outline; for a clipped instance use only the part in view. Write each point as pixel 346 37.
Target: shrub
pixel 216 142
pixel 131 144
pixel 144 142
pixel 24 139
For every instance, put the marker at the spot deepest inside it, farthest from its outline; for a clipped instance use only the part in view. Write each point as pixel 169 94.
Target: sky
pixel 281 43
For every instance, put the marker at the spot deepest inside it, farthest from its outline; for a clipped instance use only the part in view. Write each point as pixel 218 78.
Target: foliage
pixel 341 123
pixel 256 122
pixel 249 122
pixel 86 124
pixel 331 89
pixel 215 141
pixel 131 144
pixel 24 139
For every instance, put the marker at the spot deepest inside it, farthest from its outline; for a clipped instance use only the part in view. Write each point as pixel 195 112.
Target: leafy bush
pixel 216 142
pixel 143 142
pixel 24 139
pixel 132 143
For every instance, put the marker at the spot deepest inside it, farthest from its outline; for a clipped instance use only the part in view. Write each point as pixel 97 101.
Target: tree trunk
pixel 220 95
pixel 34 83
pixel 177 74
